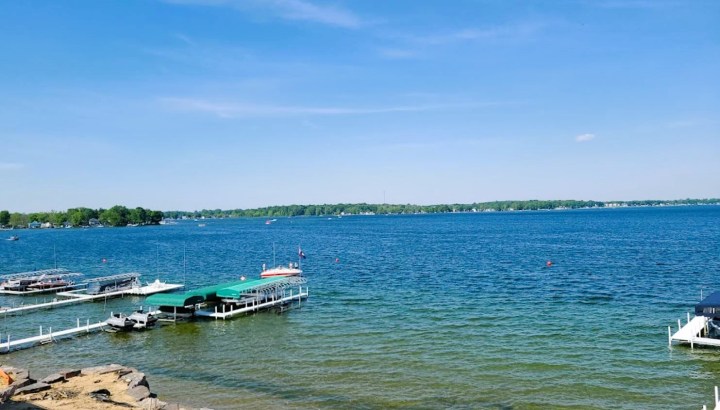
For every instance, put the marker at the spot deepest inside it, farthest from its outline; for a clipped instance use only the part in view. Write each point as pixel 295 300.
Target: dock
pixel 8 345
pixel 75 296
pixel 233 298
pixel 697 331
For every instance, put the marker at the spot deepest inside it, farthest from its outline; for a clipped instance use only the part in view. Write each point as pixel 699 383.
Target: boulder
pixel 98 370
pixel 139 392
pixel 6 393
pixel 23 382
pixel 67 374
pixel 152 403
pixel 53 378
pixel 135 379
pixel 32 388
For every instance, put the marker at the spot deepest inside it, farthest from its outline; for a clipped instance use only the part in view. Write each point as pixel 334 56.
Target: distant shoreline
pixel 119 216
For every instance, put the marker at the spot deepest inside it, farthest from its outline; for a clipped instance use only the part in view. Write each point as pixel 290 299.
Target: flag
pixel 301 254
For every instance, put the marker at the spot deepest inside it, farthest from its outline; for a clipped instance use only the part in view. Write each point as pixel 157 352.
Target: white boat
pixel 13 238
pixel 119 321
pixel 293 269
pixel 142 320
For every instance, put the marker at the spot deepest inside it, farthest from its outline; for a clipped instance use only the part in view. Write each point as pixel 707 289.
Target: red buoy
pixel 548 264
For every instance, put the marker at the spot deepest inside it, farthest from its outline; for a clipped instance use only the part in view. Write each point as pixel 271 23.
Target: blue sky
pixel 191 104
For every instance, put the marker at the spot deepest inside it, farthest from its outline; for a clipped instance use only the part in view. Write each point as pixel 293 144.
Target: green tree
pixel 18 220
pixel 4 218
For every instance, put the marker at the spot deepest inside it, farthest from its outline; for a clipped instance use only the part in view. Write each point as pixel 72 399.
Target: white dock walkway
pixel 9 345
pixel 692 333
pixel 74 297
pixel 224 313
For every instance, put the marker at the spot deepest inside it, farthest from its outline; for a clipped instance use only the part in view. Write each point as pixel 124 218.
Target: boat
pixel 50 282
pixel 13 238
pixel 142 320
pixel 119 321
pixel 293 269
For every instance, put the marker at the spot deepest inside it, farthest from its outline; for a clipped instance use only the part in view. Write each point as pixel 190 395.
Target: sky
pixel 205 104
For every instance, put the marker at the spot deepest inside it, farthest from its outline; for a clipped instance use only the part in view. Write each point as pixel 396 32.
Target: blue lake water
pixel 423 311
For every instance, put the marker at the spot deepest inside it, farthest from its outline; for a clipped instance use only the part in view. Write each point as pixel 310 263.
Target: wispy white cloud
pixel 289 9
pixel 585 137
pixel 235 110
pixel 398 53
pixel 10 166
pixel 495 33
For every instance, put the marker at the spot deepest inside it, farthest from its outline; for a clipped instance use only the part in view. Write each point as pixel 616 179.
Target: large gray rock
pixel 23 382
pixel 6 393
pixel 98 370
pixel 139 392
pixel 152 403
pixel 67 374
pixel 53 378
pixel 135 379
pixel 32 388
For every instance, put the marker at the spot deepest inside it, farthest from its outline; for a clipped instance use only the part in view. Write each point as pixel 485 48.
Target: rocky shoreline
pixel 110 386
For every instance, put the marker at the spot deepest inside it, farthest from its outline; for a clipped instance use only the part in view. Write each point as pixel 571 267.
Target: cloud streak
pixel 585 137
pixel 238 110
pixel 302 10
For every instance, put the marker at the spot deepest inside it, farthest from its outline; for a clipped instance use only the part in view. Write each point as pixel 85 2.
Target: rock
pixel 17 373
pixel 67 374
pixel 53 378
pixel 23 382
pixel 152 403
pixel 139 392
pixel 97 370
pixel 6 393
pixel 135 379
pixel 32 388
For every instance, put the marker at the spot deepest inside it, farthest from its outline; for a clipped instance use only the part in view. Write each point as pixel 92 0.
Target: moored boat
pixel 293 269
pixel 119 321
pixel 13 238
pixel 142 320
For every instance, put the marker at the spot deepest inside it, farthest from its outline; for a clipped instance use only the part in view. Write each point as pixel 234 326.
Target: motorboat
pixel 50 282
pixel 292 269
pixel 119 321
pixel 142 320
pixel 13 238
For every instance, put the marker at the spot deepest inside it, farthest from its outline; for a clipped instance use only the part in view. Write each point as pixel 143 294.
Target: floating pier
pixel 8 345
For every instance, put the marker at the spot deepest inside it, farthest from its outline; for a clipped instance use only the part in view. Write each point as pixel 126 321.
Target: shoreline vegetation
pixel 121 216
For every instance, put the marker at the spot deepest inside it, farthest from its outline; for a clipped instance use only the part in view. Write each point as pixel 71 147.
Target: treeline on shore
pixel 360 209
pixel 122 216
pixel 78 217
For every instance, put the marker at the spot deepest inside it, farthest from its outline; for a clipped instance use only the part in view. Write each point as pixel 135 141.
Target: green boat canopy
pixel 174 300
pixel 245 286
pixel 209 292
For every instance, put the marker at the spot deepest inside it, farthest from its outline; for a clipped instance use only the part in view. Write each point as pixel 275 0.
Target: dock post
pixel 51 334
pixel 215 312
pixel 88 326
pixel 669 337
pixel 679 325
pixel 78 323
pixel 8 343
pixel 716 396
pixel 692 345
pixel 688 317
pixel 40 330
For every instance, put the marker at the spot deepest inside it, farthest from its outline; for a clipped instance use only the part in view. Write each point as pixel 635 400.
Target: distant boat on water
pixel 13 238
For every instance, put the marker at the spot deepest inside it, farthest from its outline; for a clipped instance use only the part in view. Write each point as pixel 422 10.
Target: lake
pixel 421 311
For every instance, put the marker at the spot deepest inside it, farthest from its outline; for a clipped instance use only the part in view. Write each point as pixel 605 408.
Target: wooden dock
pixel 7 345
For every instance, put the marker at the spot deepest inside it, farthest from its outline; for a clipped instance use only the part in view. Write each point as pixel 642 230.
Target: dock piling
pixel 669 337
